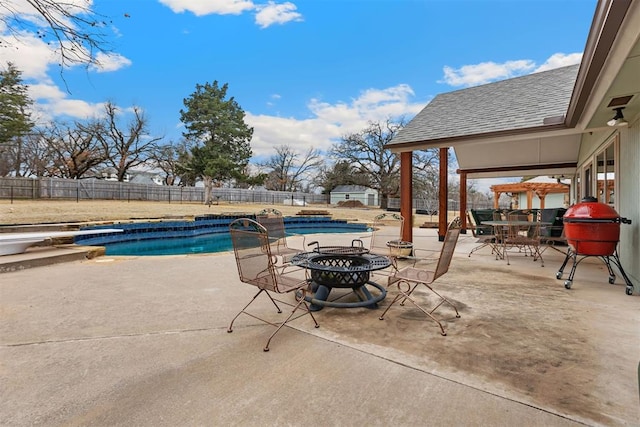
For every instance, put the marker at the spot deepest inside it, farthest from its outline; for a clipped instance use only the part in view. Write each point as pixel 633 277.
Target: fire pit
pixel 342 267
pixel 593 229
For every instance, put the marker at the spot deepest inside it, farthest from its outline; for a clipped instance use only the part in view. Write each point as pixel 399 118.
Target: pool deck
pixel 95 340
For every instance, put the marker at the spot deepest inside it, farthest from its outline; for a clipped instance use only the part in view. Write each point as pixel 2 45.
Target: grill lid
pixel 590 210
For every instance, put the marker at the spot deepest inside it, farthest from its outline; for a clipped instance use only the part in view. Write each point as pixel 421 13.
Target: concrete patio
pixel 143 341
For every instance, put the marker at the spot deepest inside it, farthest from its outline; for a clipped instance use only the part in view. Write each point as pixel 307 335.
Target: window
pixel 588 180
pixel 597 178
pixel 606 175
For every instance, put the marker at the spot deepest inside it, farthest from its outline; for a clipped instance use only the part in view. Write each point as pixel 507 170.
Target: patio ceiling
pixel 549 154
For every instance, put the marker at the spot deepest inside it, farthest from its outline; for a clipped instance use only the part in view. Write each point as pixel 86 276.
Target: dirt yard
pixel 54 211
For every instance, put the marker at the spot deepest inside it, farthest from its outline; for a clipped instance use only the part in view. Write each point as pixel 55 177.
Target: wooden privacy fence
pixel 93 189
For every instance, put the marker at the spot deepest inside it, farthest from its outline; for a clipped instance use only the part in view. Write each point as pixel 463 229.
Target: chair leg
pixel 301 302
pixel 477 248
pixel 407 296
pixel 230 328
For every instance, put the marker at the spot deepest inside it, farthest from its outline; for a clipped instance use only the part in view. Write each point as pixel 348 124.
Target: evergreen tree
pixel 15 117
pixel 220 136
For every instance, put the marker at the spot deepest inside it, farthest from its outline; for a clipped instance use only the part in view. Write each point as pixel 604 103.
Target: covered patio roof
pixel 532 125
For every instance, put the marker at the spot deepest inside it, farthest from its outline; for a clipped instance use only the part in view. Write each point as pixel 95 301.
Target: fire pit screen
pixel 342 267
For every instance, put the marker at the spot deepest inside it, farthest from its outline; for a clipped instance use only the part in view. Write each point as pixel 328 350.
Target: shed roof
pixel 350 189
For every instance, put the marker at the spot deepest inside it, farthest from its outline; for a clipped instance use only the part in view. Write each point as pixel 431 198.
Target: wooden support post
pixel 406 194
pixel 463 201
pixel 443 210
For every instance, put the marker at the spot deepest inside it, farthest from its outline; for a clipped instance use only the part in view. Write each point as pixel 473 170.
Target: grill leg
pixel 627 281
pixel 564 264
pixel 569 281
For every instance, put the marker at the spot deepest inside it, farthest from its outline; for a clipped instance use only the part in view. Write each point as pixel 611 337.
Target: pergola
pixel 540 189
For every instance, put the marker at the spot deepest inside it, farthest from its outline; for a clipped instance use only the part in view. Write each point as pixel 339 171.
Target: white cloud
pixel 477 74
pixel 29 54
pixel 218 7
pixel 273 13
pixel 328 122
pixel 486 72
pixel 51 102
pixel 107 62
pixel 558 60
pixel 265 14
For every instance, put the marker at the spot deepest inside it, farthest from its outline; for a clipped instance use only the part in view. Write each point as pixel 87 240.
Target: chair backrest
pixel 386 227
pixel 273 221
pixel 455 223
pixel 479 216
pixel 253 255
pixel 516 230
pixel 471 225
pixel 446 253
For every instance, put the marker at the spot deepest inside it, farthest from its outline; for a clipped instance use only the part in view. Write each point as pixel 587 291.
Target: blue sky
pixel 306 72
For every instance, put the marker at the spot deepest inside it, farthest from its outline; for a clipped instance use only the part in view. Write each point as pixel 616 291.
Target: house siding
pixel 628 198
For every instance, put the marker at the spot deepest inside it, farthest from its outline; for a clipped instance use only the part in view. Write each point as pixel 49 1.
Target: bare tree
pixel 166 158
pixel 73 152
pixel 340 173
pixel 365 151
pixel 75 31
pixel 125 147
pixel 286 170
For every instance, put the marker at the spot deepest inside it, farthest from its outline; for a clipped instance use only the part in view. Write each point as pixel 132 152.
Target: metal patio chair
pixel 386 237
pixel 409 278
pixel 483 240
pixel 524 238
pixel 273 221
pixel 257 267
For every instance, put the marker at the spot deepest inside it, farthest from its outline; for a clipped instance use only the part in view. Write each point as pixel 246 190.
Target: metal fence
pixel 93 189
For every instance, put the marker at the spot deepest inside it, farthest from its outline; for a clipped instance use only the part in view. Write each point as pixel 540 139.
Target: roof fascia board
pixel 556 169
pixel 627 38
pixel 520 168
pixel 604 29
pixel 513 135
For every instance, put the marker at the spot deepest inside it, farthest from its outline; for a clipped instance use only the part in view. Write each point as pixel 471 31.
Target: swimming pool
pixel 203 235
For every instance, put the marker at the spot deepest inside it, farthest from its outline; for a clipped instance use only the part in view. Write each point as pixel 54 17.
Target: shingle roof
pixel 517 103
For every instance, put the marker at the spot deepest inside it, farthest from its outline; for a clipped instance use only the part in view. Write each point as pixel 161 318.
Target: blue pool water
pixel 207 243
pixel 204 235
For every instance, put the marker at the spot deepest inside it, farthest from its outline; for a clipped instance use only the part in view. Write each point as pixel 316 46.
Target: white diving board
pixel 17 243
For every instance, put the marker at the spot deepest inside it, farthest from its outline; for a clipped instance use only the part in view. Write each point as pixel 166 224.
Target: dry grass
pixel 54 211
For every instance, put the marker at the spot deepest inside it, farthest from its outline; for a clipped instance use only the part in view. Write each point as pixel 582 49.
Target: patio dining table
pixel 342 267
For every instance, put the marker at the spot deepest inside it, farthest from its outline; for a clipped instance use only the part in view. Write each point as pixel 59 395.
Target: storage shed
pixel 365 195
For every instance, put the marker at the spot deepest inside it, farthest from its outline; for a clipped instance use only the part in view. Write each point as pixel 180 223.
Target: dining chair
pixel 386 236
pixel 409 278
pixel 273 221
pixel 523 234
pixel 555 242
pixel 484 240
pixel 257 267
